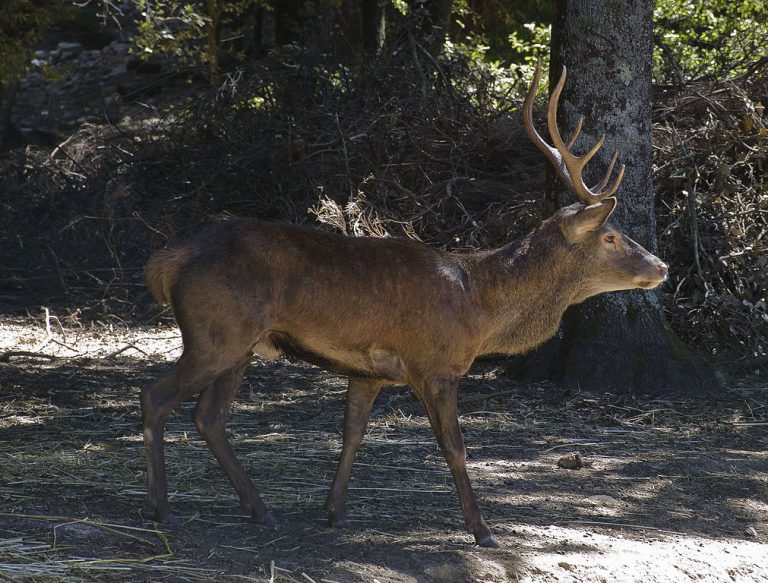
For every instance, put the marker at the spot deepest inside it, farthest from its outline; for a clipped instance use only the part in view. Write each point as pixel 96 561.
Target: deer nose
pixel 663 269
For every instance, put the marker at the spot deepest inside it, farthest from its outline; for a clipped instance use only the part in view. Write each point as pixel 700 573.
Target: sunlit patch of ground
pixel 670 490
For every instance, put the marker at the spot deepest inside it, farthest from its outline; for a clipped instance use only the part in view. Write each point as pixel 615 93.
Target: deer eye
pixel 610 239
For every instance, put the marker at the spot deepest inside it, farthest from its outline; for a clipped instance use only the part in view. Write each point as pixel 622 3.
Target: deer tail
pixel 162 271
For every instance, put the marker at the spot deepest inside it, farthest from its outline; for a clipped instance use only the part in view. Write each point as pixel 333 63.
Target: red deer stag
pixel 382 311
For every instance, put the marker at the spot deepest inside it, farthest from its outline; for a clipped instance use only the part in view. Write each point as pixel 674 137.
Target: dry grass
pixel 73 474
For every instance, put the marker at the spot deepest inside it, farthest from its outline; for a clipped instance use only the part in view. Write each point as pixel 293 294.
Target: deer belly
pixel 370 363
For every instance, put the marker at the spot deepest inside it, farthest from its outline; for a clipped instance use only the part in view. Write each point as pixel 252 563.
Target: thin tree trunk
pixel 435 18
pixel 440 16
pixel 374 27
pixel 268 29
pixel 620 341
pixel 212 34
pixel 7 101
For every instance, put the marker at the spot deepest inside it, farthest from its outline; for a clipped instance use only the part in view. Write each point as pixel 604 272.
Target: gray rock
pixel 69 50
pixel 121 69
pixel 120 48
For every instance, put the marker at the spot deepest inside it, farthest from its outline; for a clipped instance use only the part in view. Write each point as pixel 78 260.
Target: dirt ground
pixel 673 489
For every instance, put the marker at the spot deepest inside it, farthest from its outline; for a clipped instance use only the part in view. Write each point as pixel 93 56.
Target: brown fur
pixel 382 311
pixel 162 269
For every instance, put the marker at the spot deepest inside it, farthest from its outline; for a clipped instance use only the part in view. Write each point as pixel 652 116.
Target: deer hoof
pixel 267 518
pixel 154 514
pixel 338 519
pixel 171 520
pixel 342 523
pixel 488 543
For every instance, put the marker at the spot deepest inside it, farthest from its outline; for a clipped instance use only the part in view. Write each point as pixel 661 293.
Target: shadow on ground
pixel 73 478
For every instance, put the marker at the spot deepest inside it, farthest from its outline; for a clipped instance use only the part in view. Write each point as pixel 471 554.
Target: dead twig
pixel 7 356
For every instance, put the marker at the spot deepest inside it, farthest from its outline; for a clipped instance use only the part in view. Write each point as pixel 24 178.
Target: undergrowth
pixel 409 147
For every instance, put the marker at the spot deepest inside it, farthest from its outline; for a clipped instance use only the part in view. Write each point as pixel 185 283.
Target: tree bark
pixel 212 40
pixel 619 342
pixel 7 101
pixel 374 27
pixel 434 21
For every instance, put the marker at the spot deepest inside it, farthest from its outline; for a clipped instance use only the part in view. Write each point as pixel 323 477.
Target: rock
pixel 120 48
pixel 571 462
pixel 120 69
pixel 78 531
pixel 90 55
pixel 142 67
pixel 68 50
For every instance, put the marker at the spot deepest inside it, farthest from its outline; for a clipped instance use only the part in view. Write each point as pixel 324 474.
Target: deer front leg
pixel 210 417
pixel 361 394
pixel 440 402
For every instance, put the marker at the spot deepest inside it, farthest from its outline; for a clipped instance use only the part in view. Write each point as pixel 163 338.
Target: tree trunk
pixel 620 341
pixel 268 28
pixel 434 18
pixel 7 101
pixel 212 37
pixel 374 27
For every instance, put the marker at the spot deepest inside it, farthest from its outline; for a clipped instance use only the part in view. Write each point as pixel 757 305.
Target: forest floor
pixel 672 489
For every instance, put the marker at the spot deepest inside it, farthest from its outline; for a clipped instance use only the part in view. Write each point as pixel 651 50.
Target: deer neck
pixel 525 288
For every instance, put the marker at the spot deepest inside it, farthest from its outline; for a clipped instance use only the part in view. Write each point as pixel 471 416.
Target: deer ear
pixel 588 218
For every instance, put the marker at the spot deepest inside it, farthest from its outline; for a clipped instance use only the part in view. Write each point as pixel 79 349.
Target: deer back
pixel 370 306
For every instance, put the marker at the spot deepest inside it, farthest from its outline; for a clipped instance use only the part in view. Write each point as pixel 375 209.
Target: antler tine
pixel 550 152
pixel 570 167
pixel 616 183
pixel 600 186
pixel 554 100
pixel 575 134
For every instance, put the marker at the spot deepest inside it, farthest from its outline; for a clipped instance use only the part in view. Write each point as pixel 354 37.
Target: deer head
pixel 611 259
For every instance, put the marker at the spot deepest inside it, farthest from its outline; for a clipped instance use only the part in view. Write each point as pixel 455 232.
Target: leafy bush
pixel 711 157
pixel 715 39
pixel 21 24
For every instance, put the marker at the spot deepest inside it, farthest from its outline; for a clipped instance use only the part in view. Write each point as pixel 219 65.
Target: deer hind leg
pixel 440 402
pixel 210 417
pixel 361 394
pixel 188 376
pixel 157 402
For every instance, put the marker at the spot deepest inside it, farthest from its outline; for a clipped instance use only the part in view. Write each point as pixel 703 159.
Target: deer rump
pixel 358 306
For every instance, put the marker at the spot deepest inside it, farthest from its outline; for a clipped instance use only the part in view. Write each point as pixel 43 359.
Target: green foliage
pixel 503 40
pixel 172 28
pixel 22 22
pixel 488 84
pixel 206 32
pixel 503 26
pixel 713 38
pixel 196 32
pixel 530 43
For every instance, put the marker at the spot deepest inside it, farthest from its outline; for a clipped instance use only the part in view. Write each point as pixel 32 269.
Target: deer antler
pixel 569 166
